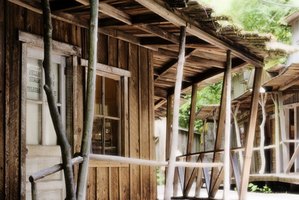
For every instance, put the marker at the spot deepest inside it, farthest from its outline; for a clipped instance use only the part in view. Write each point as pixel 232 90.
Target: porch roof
pixel 153 24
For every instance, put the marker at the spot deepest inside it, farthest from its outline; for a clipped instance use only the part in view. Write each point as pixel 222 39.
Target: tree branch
pixel 56 118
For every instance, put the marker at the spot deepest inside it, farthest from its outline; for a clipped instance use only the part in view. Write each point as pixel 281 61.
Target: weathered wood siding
pixel 129 182
pixel 132 182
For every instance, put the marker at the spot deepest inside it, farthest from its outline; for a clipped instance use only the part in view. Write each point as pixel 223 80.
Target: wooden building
pixel 137 58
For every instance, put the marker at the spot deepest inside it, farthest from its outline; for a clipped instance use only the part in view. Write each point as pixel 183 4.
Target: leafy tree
pixel 208 95
pixel 261 16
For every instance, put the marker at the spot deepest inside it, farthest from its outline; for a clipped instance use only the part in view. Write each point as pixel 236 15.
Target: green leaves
pixel 208 95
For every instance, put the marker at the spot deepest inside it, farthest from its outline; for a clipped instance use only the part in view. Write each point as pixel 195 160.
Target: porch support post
pixel 168 125
pixel 227 138
pixel 283 132
pixel 216 174
pixel 277 139
pixel 237 131
pixel 190 136
pixel 175 126
pixel 250 133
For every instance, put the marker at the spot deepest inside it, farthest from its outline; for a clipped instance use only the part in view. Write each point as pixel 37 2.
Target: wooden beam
pixel 168 126
pixel 110 11
pixel 190 135
pixel 107 68
pixel 175 125
pixel 219 138
pixel 155 30
pixel 80 22
pixel 250 133
pixel 160 103
pixel 125 18
pixel 172 64
pixel 177 19
pixel 227 135
pixel 209 62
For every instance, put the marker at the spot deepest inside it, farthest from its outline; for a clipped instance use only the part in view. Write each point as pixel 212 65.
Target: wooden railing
pixel 121 160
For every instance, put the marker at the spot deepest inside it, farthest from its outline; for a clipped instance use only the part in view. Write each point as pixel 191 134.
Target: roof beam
pixel 172 63
pixel 192 28
pixel 125 18
pixel 110 11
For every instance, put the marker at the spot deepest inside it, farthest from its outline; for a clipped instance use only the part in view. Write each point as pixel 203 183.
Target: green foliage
pixel 255 188
pixel 160 176
pixel 262 16
pixel 208 95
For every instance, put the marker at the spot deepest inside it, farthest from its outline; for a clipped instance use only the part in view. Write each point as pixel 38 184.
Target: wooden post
pixel 227 138
pixel 218 140
pixel 262 103
pixel 237 131
pixel 283 132
pixel 168 126
pixel 190 136
pixel 89 111
pixel 175 125
pixel 250 133
pixel 277 151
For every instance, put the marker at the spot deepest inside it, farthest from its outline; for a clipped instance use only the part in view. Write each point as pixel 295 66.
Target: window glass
pixel 106 128
pixel 33 123
pixel 49 131
pixel 34 79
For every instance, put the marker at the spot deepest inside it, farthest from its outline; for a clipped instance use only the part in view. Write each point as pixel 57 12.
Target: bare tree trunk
pixel 262 133
pixel 175 126
pixel 56 118
pixel 89 111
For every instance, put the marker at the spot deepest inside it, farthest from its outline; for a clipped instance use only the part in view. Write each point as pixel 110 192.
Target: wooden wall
pixel 2 100
pixel 129 182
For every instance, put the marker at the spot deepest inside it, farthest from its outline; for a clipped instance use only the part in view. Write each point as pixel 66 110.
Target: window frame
pixel 122 75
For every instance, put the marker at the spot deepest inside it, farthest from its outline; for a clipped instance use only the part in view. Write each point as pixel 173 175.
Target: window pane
pixel 98 96
pixel 34 79
pixel 97 135
pixel 49 131
pixel 33 123
pixel 111 97
pixel 111 136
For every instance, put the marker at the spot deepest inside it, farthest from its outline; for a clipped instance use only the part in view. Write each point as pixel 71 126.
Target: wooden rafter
pixel 125 18
pixel 192 28
pixel 172 63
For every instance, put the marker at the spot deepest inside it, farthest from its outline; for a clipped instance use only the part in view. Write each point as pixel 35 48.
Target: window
pixel 109 128
pixel 39 126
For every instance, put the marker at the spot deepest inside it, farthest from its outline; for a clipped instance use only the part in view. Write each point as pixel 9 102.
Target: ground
pixel 234 195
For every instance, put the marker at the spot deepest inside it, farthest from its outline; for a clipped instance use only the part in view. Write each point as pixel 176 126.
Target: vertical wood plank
pixel 124 172
pixel 92 184
pixel 2 96
pixel 12 162
pixel 144 121
pixel 23 120
pixel 113 61
pixel 102 182
pixel 250 133
pixel 153 179
pixel 133 113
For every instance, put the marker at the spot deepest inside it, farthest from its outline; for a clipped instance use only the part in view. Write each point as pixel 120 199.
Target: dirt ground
pixel 234 195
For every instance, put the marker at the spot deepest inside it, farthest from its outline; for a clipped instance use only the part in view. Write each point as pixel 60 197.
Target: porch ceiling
pixel 154 25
